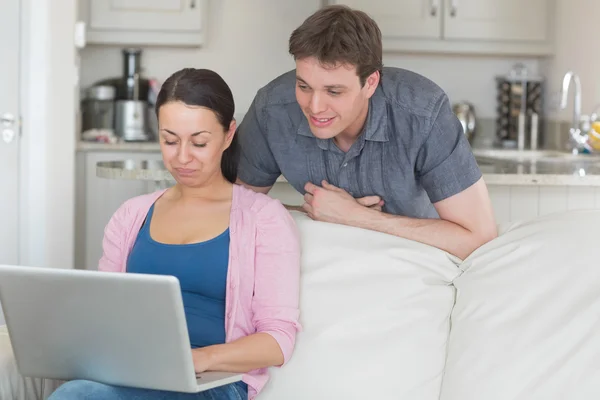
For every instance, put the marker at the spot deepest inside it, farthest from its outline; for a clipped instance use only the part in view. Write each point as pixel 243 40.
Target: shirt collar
pixel 376 127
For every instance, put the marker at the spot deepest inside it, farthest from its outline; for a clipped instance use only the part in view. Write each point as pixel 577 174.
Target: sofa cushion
pixel 526 324
pixel 375 313
pixel 13 386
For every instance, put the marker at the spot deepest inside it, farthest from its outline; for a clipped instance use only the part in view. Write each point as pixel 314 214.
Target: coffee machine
pixel 134 100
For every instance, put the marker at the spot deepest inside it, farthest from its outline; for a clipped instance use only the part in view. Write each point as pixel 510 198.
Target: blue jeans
pixel 88 390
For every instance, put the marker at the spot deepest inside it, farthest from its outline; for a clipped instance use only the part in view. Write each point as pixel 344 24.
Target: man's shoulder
pixel 411 92
pixel 280 91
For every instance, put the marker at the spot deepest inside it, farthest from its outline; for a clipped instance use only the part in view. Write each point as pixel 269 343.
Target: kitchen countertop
pixel 118 147
pixel 543 167
pixel 138 170
pixel 578 171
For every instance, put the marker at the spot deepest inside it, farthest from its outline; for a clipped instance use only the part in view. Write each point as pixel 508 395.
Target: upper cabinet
pixel 415 19
pixel 145 22
pixel 516 20
pixel 505 27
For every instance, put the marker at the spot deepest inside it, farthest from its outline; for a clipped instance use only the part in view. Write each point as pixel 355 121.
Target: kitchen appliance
pixel 124 84
pixel 132 117
pixel 134 99
pixel 98 109
pixel 465 112
pixel 520 98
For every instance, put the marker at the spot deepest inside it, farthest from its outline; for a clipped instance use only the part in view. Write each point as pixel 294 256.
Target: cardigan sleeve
pixel 275 304
pixel 114 242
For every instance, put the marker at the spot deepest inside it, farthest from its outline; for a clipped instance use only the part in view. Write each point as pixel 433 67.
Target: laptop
pixel 114 328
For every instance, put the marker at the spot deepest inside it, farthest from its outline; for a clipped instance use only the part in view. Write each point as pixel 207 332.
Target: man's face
pixel 332 98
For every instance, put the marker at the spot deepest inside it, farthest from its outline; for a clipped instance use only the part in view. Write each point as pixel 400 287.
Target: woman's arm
pixel 113 243
pixel 256 351
pixel 275 301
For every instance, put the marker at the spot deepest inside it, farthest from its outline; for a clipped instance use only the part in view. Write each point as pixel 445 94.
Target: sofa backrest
pixel 526 324
pixel 375 313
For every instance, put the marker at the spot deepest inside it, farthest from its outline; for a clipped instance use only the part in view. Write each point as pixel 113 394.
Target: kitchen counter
pixel 138 170
pixel 135 170
pixel 542 167
pixel 118 147
pixel 580 171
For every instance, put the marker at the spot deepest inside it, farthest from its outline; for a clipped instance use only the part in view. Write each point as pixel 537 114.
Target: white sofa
pixel 387 318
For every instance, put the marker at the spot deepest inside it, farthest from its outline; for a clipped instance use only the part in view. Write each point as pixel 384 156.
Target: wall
pixel 470 78
pixel 247 45
pixel 48 133
pixel 250 49
pixel 577 49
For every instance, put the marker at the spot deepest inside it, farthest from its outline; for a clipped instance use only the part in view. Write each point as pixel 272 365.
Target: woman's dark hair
pixel 204 88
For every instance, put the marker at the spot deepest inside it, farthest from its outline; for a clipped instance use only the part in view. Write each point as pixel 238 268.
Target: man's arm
pixel 466 222
pixel 466 219
pixel 257 169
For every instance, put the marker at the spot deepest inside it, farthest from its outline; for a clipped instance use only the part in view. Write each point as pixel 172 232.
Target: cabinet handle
pixel 453 8
pixel 433 9
pixel 192 4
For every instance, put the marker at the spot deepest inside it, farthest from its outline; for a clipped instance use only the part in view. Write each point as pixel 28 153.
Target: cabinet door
pixel 416 19
pixel 146 15
pixel 98 199
pixel 518 20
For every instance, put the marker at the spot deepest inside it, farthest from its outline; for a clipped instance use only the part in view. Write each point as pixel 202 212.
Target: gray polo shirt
pixel 412 151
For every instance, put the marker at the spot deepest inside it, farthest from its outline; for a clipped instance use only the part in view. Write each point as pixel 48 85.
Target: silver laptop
pixel 114 328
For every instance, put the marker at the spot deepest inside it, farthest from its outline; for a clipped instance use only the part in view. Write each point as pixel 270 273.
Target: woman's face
pixel 192 142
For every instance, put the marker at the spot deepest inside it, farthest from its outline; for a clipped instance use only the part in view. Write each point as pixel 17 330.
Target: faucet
pixel 579 140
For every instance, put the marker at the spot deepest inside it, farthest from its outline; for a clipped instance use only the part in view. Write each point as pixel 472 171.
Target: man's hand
pixel 372 202
pixel 332 204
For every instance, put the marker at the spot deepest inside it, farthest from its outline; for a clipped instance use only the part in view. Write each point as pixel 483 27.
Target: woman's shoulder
pixel 138 203
pixel 274 223
pixel 256 203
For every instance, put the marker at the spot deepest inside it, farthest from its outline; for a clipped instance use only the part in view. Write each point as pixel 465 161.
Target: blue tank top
pixel 202 272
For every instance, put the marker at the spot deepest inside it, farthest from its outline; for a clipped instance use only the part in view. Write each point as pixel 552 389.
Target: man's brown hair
pixel 337 35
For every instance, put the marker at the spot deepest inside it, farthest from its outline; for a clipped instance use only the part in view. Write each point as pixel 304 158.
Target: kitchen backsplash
pixel 463 78
pixel 252 48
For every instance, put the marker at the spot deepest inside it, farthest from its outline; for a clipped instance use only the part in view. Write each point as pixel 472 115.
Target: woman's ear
pixel 230 133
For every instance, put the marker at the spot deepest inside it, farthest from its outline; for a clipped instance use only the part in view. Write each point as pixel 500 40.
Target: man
pixel 371 147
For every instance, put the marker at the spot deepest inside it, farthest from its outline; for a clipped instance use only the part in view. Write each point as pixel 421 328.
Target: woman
pixel 235 252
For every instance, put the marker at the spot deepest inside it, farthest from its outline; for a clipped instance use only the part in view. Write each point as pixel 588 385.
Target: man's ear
pixel 371 83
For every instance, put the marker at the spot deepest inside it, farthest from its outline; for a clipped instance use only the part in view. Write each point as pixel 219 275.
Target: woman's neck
pixel 217 189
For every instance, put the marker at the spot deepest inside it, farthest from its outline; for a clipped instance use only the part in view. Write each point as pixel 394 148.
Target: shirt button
pixel 345 164
pixel 229 315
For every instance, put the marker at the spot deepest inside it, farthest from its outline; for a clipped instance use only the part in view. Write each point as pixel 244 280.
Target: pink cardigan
pixel 264 267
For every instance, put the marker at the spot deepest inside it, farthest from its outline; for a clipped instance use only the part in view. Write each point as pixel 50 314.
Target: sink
pixel 527 156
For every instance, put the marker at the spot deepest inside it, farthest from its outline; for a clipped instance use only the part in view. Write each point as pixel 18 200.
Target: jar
pixel 98 108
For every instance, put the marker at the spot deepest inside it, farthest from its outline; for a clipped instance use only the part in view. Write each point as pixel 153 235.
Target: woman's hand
pixel 201 359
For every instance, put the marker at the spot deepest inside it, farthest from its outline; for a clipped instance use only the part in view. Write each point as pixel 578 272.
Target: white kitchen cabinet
pixel 501 27
pixel 98 198
pixel 145 22
pixel 521 203
pixel 497 20
pixel 418 19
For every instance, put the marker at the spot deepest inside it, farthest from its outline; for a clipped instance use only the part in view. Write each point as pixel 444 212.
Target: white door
pixel 519 20
pixel 9 133
pixel 402 19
